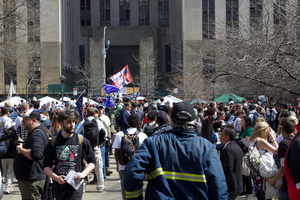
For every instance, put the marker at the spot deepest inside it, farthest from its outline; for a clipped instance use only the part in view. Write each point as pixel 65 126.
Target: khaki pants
pixel 31 190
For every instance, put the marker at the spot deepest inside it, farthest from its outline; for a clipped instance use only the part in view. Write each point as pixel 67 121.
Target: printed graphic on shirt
pixel 66 156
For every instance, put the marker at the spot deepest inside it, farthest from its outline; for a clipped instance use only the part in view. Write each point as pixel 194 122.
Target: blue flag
pixel 110 88
pixel 79 105
pixel 108 103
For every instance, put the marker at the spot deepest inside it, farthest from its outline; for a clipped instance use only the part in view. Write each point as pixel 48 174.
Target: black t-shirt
pixel 67 154
pixel 284 144
pixel 26 169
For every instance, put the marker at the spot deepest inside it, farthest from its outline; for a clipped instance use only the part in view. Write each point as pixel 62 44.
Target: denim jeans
pixel 283 195
pixel 103 160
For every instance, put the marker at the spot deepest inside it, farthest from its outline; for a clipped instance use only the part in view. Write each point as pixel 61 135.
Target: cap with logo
pixel 32 114
pixel 182 112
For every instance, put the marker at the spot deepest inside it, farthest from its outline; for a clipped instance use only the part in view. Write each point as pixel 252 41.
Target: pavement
pixel 112 186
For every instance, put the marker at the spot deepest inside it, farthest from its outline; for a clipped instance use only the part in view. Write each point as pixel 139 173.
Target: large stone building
pixel 71 34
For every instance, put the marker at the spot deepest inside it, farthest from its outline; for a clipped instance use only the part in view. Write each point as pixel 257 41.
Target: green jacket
pixel 119 109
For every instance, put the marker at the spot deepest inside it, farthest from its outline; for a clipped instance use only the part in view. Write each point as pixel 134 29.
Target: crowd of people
pixel 184 150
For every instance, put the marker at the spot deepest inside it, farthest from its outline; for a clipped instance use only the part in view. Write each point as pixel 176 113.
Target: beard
pixel 70 131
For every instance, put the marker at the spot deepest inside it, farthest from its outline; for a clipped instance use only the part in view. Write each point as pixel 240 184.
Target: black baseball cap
pixel 182 112
pixel 32 114
pixel 161 117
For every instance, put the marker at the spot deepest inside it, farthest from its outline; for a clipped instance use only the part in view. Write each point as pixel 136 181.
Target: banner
pixel 79 104
pixel 109 103
pixel 110 88
pixel 121 78
pixel 131 97
pixel 12 90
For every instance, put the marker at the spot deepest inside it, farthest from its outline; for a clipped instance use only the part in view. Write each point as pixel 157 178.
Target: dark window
pixel 118 57
pixel 143 12
pixel 124 8
pixel 168 58
pixel 163 12
pixel 10 73
pixel 255 14
pixel 208 19
pixel 279 12
pixel 85 12
pixel 104 12
pixel 209 61
pixel 232 15
pixel 82 56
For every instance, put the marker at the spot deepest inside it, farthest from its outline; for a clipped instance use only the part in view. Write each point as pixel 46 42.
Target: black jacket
pixel 31 170
pixel 231 159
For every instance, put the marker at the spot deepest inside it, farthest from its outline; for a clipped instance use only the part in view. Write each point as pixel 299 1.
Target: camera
pixel 10 133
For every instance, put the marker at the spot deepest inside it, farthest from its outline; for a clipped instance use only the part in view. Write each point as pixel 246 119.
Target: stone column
pixel 96 65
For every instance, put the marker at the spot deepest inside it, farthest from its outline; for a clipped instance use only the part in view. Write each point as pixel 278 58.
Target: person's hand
pixel 272 181
pixel 271 133
pixel 61 179
pixel 18 146
pixel 79 176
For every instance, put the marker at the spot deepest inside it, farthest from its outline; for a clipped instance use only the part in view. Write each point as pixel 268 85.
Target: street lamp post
pixel 104 57
pixel 62 79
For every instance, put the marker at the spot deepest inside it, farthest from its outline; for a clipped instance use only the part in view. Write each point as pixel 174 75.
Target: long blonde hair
pixel 259 131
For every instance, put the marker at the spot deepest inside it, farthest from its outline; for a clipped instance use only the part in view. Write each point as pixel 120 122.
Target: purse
pixel 245 169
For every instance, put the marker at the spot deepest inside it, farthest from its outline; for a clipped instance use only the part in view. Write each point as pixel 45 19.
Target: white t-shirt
pixel 105 119
pixel 18 122
pixel 5 122
pixel 117 143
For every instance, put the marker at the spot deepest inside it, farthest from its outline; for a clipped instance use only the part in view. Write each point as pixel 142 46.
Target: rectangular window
pixel 81 56
pixel 208 19
pixel 168 57
pixel 143 12
pixel 209 61
pixel 232 15
pixel 124 8
pixel 163 12
pixel 104 12
pixel 255 14
pixel 279 12
pixel 33 20
pixel 85 12
pixel 10 73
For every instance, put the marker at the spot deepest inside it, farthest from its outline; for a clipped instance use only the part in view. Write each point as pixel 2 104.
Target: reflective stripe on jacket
pixel 179 165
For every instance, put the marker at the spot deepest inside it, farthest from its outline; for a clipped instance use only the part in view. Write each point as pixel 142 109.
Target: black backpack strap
pixel 125 132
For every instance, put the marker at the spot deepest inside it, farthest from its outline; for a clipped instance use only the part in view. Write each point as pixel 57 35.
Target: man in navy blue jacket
pixel 124 116
pixel 179 164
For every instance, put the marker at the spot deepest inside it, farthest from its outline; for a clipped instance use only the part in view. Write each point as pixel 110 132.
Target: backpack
pixel 252 159
pixel 91 131
pixel 246 109
pixel 198 126
pixel 102 138
pixel 129 144
pixel 255 116
pixel 149 129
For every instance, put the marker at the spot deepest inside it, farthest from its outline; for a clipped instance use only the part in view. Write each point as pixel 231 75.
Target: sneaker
pixel 108 173
pixel 6 191
pixel 101 190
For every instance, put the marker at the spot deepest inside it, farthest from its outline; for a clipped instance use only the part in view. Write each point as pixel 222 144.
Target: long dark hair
pixel 207 126
pixel 248 121
pixel 108 111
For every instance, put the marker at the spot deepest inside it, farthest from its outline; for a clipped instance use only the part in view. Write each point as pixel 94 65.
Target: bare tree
pixel 148 80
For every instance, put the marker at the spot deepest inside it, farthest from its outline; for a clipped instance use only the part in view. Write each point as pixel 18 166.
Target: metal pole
pixel 62 92
pixel 104 57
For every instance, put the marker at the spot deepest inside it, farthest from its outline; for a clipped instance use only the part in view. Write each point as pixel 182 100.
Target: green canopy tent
pixel 224 98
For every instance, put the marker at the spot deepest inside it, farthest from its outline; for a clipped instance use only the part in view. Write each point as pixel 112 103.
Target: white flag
pixel 12 90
